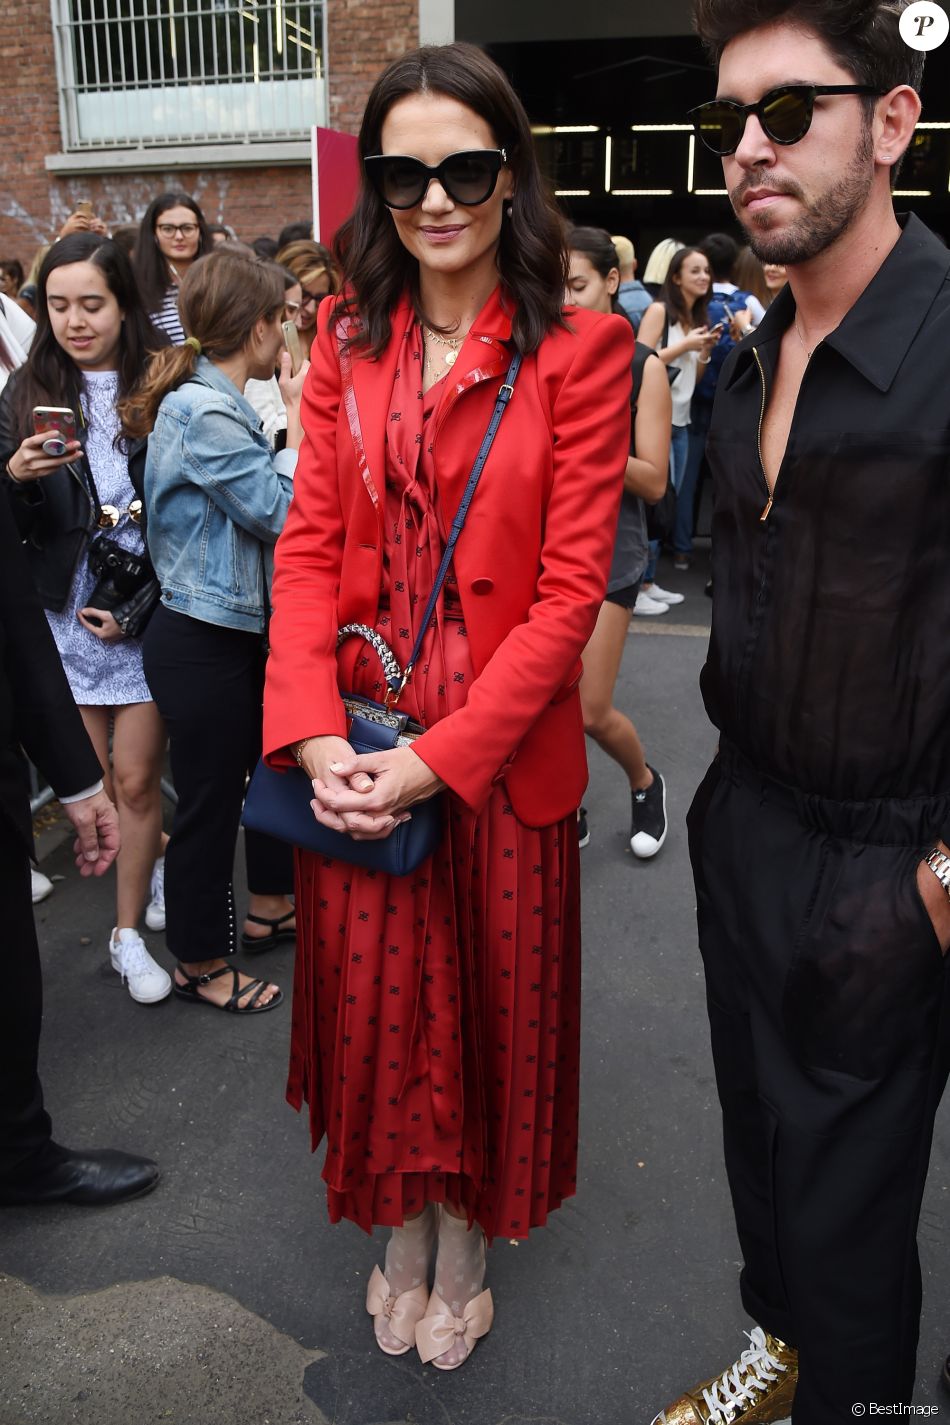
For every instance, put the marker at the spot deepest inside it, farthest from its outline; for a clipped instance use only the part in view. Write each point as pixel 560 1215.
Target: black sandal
pixel 189 991
pixel 257 944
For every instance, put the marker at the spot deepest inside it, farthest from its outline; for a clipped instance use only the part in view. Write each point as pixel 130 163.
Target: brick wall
pixel 363 35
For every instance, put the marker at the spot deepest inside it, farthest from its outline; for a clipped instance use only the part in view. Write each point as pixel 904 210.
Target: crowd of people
pixel 136 276
pixel 210 544
pixel 106 320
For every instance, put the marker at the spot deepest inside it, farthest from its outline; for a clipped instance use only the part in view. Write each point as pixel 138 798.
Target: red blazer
pixel 531 562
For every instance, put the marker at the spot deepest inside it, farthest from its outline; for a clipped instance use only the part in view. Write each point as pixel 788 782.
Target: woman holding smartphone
pixel 675 326
pixel 265 396
pixel 436 1028
pixel 91 347
pixel 312 265
pixel 217 498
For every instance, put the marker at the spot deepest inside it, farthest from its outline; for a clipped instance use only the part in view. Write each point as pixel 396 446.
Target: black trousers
pixel 208 684
pixel 830 1019
pixel 25 1141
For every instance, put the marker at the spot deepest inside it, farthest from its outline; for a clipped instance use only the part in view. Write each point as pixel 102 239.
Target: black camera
pixel 118 573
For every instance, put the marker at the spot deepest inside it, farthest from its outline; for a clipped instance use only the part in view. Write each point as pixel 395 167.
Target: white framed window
pixel 137 74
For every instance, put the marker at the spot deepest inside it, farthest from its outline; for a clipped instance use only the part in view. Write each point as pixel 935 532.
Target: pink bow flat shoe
pixel 400 1313
pixel 439 1329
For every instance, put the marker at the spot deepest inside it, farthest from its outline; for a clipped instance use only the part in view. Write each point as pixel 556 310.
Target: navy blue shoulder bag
pixel 278 802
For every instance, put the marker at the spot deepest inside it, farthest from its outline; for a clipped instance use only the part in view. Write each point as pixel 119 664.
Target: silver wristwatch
pixel 939 863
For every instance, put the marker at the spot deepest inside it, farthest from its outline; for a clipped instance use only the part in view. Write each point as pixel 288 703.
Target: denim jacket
pixel 216 498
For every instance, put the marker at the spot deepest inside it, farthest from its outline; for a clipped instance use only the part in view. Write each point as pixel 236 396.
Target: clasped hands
pixel 369 795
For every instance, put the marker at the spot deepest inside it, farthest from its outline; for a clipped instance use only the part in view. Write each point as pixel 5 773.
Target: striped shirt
pixel 166 319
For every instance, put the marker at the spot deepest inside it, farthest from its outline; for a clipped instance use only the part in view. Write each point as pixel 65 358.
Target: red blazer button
pixel 482 586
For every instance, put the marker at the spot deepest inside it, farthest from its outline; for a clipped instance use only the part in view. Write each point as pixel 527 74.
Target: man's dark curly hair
pixel 862 35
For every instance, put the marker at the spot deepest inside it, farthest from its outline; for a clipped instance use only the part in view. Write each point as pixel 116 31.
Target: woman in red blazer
pixel 436 1016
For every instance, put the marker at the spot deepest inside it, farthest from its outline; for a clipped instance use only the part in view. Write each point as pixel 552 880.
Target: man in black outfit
pixel 37 713
pixel 819 835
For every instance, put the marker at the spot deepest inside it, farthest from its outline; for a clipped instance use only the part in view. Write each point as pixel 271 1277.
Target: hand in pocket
pixel 936 902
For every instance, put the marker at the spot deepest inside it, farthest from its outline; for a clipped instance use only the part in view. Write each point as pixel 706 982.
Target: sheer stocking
pixel 407 1262
pixel 459 1272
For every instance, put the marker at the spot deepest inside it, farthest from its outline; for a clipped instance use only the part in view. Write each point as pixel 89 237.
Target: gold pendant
pixel 450 358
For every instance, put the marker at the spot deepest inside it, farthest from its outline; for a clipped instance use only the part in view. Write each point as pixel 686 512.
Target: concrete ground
pixel 225 1298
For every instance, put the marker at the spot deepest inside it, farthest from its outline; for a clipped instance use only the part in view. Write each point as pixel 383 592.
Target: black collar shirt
pixel 829 661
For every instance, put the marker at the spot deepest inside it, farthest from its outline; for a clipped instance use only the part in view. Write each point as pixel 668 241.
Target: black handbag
pixel 278 802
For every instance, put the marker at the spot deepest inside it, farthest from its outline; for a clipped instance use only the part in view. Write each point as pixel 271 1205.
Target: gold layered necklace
pixel 452 345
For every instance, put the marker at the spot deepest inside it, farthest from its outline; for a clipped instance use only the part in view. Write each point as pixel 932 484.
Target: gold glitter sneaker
pixel 758 1389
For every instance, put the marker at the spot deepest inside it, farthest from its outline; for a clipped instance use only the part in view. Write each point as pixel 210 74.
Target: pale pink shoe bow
pixel 401 1311
pixel 439 1329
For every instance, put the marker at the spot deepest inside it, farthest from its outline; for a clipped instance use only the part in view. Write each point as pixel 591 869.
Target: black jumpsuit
pixel 828 676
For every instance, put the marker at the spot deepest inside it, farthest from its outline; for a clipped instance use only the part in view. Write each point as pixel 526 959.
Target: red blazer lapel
pixel 367 393
pixel 484 357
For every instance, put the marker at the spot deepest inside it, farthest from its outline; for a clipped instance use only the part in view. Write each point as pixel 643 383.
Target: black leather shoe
pixel 96 1178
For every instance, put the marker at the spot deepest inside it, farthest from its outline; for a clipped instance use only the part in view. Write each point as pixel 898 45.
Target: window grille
pixel 152 72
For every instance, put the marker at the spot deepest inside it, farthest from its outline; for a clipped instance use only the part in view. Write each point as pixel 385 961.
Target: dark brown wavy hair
pixel 862 35
pixel 531 256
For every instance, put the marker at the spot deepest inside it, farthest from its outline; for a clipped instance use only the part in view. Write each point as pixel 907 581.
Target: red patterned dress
pixel 436 1016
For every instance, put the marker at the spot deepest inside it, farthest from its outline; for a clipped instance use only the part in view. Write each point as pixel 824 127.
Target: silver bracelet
pixel 939 863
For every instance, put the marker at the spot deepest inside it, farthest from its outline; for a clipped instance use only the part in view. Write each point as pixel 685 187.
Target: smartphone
pixel 85 207
pixel 292 343
pixel 60 422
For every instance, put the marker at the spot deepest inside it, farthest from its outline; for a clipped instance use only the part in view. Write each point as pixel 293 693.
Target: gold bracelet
pixel 298 748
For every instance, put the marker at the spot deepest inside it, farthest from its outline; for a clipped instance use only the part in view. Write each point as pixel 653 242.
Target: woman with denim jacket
pixel 90 349
pixel 216 499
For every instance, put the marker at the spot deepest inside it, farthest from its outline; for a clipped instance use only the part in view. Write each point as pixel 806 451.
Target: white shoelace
pixel 134 957
pixel 157 888
pixel 753 1373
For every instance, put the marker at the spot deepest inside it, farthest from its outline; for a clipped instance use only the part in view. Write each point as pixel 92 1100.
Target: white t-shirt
pixel 685 383
pixel 17 330
pixel 267 401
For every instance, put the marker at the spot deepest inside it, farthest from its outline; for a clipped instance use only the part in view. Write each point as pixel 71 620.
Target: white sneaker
pixel 155 910
pixel 664 596
pixel 42 886
pixel 647 607
pixel 148 982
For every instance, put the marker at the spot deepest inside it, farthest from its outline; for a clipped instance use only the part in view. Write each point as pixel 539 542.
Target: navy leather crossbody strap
pixel 504 396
